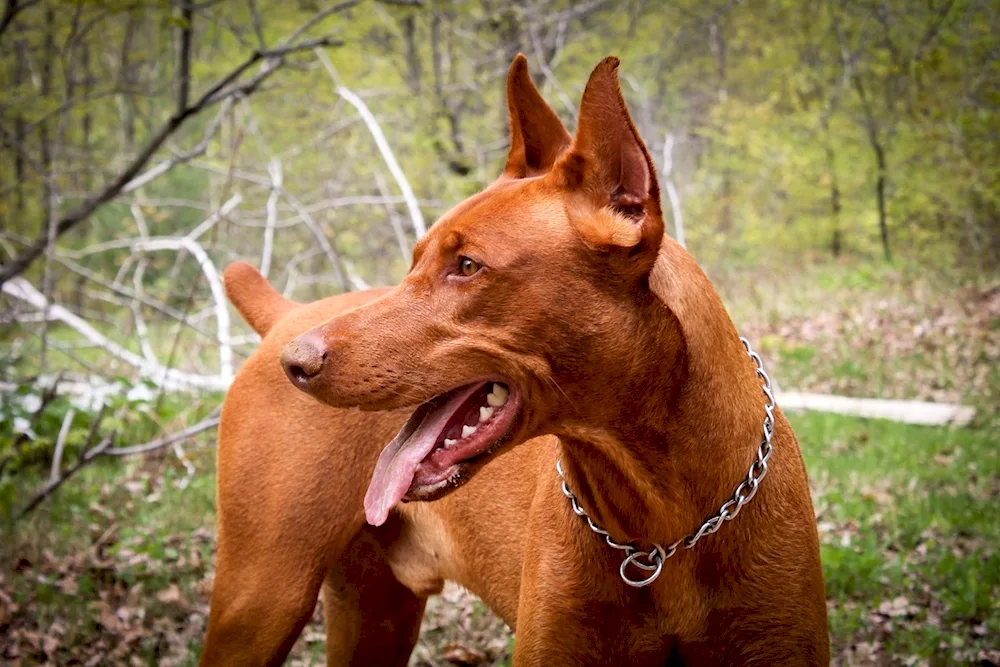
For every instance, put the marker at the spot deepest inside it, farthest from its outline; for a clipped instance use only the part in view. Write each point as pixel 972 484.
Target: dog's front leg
pixel 558 628
pixel 573 608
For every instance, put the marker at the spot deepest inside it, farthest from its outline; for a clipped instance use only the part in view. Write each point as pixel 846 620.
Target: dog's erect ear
pixel 537 136
pixel 609 162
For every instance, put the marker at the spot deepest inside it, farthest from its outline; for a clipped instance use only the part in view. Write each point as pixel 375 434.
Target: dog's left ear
pixel 610 166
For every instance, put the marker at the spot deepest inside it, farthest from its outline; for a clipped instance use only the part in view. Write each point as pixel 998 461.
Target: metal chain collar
pixel 654 558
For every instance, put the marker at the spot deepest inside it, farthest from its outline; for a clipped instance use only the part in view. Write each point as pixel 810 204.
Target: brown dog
pixel 545 319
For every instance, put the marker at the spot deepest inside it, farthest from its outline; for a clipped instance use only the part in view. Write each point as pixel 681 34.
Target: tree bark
pixel 86 121
pixel 49 55
pixel 880 197
pixel 412 55
pixel 125 73
pixel 836 240
pixel 875 141
pixel 20 67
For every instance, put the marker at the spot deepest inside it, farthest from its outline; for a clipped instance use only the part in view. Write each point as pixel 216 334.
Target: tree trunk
pixel 880 196
pixel 87 120
pixel 43 127
pixel 125 72
pixel 20 67
pixel 836 241
pixel 412 55
pixel 874 139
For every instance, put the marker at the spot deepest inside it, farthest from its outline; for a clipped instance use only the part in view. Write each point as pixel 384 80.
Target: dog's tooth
pixel 498 396
pixel 485 413
pixel 468 430
pixel 448 442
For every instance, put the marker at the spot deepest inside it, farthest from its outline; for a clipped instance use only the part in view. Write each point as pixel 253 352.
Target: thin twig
pixel 383 145
pixel 204 425
pixel 49 487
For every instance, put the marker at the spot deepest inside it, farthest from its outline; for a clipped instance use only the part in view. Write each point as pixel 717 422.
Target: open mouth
pixel 442 438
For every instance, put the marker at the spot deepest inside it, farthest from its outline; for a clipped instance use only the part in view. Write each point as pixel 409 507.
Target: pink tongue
pixel 398 462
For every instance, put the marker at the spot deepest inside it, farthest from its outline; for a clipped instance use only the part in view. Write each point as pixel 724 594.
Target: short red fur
pixel 626 367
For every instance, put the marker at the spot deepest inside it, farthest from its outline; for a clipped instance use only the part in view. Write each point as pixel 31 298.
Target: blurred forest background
pixel 832 164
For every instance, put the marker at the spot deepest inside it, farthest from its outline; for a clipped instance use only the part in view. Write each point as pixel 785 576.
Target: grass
pixel 909 536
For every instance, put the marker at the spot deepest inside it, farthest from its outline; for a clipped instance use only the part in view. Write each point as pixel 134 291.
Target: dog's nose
pixel 303 359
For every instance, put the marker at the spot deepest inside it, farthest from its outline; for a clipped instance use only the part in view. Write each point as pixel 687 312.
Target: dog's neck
pixel 685 427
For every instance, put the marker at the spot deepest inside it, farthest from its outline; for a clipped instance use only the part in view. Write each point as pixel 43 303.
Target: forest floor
pixel 116 568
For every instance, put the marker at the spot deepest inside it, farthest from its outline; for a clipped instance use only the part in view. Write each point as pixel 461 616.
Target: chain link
pixel 747 489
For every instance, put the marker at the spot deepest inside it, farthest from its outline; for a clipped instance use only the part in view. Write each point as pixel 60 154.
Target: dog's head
pixel 524 303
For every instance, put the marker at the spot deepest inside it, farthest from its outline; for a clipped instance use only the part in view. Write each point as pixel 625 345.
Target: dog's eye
pixel 468 267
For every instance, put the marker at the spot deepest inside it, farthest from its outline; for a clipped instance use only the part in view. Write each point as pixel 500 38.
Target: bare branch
pixel 61 445
pixel 255 17
pixel 390 159
pixel 211 422
pixel 211 220
pixel 167 377
pixel 356 280
pixel 184 62
pixel 321 239
pixel 273 60
pixel 211 275
pixel 323 15
pixel 274 169
pixel 10 12
pixel 49 487
pixel 104 448
pixel 397 226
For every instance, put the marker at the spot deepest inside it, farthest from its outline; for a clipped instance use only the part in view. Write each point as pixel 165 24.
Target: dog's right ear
pixel 537 136
pixel 609 165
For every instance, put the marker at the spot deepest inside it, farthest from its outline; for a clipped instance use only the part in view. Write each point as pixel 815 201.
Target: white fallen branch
pixel 356 280
pixel 907 412
pixel 213 219
pixel 141 330
pixel 672 194
pixel 383 146
pixel 61 445
pixel 211 422
pixel 168 378
pixel 275 172
pixel 300 210
pixel 207 268
pixel 397 226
